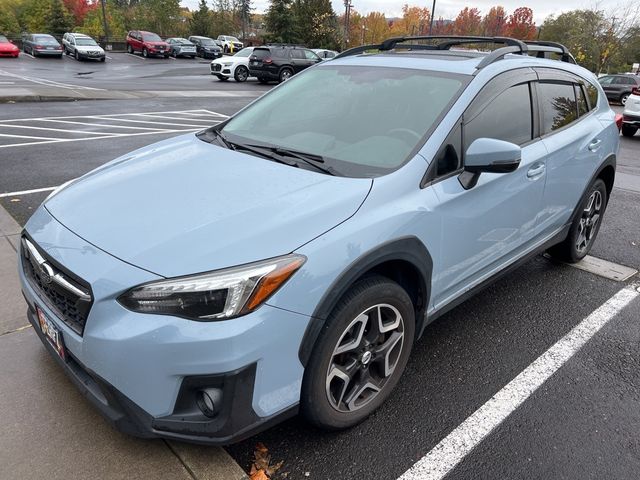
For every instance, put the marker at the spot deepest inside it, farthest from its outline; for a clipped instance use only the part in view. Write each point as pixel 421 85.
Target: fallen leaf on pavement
pixel 261 469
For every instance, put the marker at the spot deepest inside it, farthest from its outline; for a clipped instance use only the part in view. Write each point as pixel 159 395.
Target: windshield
pixel 233 39
pixel 182 41
pixel 86 42
pixel 245 52
pixel 3 39
pixel 364 121
pixel 45 40
pixel 151 37
pixel 207 41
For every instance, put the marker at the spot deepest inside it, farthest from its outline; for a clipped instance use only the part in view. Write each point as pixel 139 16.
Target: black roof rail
pixel 512 45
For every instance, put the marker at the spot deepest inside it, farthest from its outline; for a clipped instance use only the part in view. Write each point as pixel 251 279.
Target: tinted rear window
pixel 261 53
pixel 559 106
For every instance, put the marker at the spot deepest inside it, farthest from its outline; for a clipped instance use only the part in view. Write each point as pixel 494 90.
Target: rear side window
pixel 508 117
pixel 557 104
pixel 298 54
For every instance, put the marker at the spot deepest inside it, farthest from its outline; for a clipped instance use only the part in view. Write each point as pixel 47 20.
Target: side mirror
pixel 488 155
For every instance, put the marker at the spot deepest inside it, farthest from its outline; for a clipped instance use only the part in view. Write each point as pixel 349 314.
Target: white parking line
pixel 136 56
pixel 28 55
pixel 461 441
pixel 26 192
pixel 62 130
pixel 122 126
pixel 25 136
pixel 66 140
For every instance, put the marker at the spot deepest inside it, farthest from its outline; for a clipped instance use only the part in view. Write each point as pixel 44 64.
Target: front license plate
pixel 51 332
pixel 50 48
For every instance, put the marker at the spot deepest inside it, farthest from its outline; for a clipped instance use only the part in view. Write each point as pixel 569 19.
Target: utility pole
pixel 347 14
pixel 433 13
pixel 104 22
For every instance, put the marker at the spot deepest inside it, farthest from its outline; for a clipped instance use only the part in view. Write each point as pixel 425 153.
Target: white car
pixel 236 66
pixel 229 44
pixel 82 47
pixel 631 114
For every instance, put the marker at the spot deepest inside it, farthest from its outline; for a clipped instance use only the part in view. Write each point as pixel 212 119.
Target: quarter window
pixel 508 117
pixel 592 93
pixel 583 107
pixel 558 105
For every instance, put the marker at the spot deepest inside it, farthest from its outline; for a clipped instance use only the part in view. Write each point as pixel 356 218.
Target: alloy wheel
pixel 589 221
pixel 365 357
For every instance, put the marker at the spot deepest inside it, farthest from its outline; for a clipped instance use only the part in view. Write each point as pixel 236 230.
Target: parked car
pixel 631 114
pixel 7 48
pixel 41 44
pixel 181 47
pixel 230 44
pixel 300 247
pixel 324 54
pixel 82 47
pixel 618 87
pixel 148 43
pixel 206 47
pixel 236 66
pixel 280 62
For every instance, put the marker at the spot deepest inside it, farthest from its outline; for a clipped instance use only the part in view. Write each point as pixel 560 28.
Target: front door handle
pixel 595 145
pixel 536 170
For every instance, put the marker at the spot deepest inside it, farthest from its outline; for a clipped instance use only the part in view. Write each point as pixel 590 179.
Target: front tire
pixel 76 55
pixel 129 49
pixel 360 354
pixel 628 130
pixel 241 74
pixel 145 53
pixel 585 227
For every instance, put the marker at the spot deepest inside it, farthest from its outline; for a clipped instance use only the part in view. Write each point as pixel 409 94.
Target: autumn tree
pixel 79 9
pixel 9 23
pixel 414 21
pixel 468 22
pixel 520 24
pixel 494 22
pixel 442 27
pixel 376 28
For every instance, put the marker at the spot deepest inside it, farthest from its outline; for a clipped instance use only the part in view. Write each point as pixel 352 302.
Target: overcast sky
pixel 450 8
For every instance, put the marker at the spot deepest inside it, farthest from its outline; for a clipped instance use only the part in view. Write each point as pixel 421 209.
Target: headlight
pixel 217 295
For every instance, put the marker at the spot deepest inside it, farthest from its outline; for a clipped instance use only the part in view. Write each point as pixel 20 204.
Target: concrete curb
pixel 199 462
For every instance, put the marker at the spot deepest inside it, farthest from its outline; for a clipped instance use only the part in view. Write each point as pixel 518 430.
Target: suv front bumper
pixel 143 371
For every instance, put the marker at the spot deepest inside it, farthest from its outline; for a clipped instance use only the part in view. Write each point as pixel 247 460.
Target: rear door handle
pixel 595 145
pixel 536 170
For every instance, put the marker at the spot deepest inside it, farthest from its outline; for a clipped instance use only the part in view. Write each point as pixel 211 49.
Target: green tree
pixel 202 20
pixel 587 34
pixel 93 24
pixel 58 20
pixel 243 9
pixel 279 21
pixel 9 23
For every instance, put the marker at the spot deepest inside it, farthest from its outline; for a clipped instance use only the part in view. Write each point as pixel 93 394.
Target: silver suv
pixel 82 47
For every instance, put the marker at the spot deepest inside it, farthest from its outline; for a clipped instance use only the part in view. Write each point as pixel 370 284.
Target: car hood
pixel 157 44
pixel 184 206
pixel 7 46
pixel 89 48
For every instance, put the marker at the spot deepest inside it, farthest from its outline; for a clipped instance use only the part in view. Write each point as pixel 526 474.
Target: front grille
pixel 216 67
pixel 67 295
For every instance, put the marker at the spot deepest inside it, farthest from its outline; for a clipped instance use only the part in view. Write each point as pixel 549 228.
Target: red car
pixel 148 43
pixel 7 48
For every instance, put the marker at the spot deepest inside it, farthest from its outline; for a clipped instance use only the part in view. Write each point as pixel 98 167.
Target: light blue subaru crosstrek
pixel 287 259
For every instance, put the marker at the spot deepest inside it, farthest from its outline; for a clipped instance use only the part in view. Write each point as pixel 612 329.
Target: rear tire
pixel 241 74
pixel 585 227
pixel 360 354
pixel 285 74
pixel 130 49
pixel 623 98
pixel 628 130
pixel 145 53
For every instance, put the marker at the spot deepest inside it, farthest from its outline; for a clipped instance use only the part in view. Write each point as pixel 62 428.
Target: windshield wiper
pixel 220 136
pixel 308 158
pixel 263 152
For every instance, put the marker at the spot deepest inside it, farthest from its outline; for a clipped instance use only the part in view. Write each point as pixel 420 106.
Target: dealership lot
pixel 581 423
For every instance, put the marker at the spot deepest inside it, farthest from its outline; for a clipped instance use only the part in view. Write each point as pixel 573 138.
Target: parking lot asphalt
pixel 581 423
pixel 122 76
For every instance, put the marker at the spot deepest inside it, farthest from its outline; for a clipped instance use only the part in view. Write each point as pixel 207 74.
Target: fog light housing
pixel 209 401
